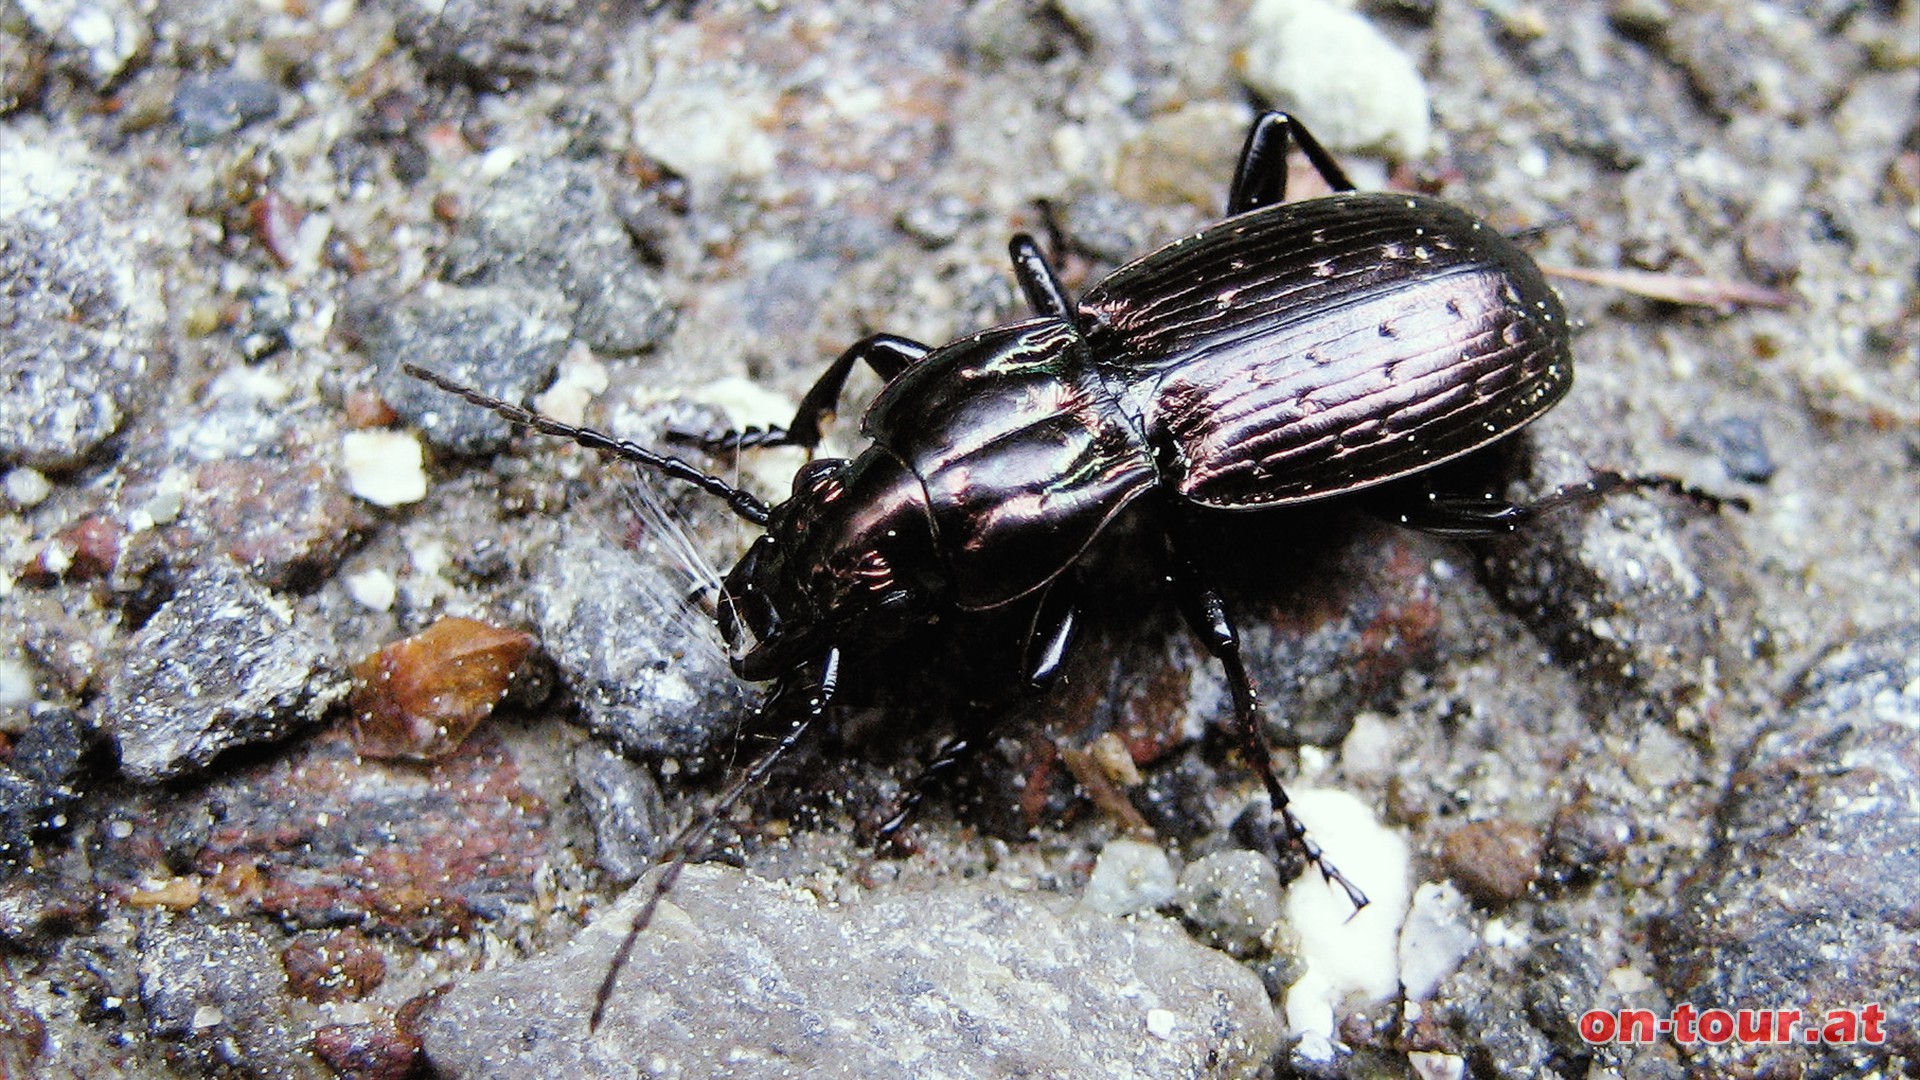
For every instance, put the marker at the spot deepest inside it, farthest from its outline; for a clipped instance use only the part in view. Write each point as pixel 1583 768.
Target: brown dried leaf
pixel 420 697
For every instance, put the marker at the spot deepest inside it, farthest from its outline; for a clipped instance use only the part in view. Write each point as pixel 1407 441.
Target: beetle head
pixel 847 560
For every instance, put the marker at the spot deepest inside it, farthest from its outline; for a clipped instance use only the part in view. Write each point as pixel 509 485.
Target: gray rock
pixel 40 781
pixel 223 664
pixel 1636 590
pixel 744 978
pixel 1129 876
pixel 215 106
pixel 1811 895
pixel 499 45
pixel 1235 897
pixel 77 308
pixel 552 224
pixel 220 993
pixel 629 816
pixel 502 341
pixel 648 670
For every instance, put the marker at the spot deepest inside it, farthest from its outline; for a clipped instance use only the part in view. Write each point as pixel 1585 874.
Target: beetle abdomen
pixel 1321 347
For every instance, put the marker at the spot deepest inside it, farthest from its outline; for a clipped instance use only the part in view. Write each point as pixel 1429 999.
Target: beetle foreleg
pixel 1206 613
pixel 693 836
pixel 1261 177
pixel 887 354
pixel 952 754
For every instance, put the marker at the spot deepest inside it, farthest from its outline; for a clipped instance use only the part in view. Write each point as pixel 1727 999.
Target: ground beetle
pixel 1292 352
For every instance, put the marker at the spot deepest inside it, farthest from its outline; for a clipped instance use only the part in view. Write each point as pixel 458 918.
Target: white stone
pixel 372 589
pixel 1437 935
pixel 27 487
pixel 1351 86
pixel 386 468
pixel 1351 958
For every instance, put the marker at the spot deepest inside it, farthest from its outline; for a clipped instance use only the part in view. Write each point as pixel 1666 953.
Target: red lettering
pixel 1638 1026
pixel 1841 1027
pixel 1871 1017
pixel 1597 1026
pixel 1683 1031
pixel 1754 1025
pixel 1716 1026
pixel 1783 1021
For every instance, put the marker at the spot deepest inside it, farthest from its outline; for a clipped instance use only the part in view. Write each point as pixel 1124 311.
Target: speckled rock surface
pixel 1811 883
pixel 740 978
pixel 224 224
pixel 221 665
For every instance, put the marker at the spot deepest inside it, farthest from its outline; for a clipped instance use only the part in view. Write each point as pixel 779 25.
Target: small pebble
pixel 386 468
pixel 1495 862
pixel 1235 895
pixel 1371 98
pixel 27 487
pixel 16 682
pixel 373 589
pixel 1130 876
pixel 1432 1065
pixel 1438 934
pixel 214 106
pixel 419 698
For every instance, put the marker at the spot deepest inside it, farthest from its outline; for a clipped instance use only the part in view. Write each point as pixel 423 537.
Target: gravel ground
pixel 1643 755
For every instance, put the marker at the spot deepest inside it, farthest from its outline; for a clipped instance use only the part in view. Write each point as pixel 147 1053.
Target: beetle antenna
pixel 742 502
pixel 693 835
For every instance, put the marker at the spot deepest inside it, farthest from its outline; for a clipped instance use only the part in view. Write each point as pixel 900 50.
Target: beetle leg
pixel 1206 613
pixel 887 354
pixel 1054 627
pixel 1470 517
pixel 693 836
pixel 1037 278
pixel 952 754
pixel 1261 177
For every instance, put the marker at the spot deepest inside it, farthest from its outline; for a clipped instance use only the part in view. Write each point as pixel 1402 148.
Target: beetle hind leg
pixel 1474 517
pixel 1261 177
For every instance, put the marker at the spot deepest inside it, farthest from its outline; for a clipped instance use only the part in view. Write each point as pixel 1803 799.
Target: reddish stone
pixel 374 1051
pixel 1495 862
pixel 288 521
pixel 337 967
pixel 327 837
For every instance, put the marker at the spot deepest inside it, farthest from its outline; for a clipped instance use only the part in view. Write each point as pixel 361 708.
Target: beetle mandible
pixel 1291 352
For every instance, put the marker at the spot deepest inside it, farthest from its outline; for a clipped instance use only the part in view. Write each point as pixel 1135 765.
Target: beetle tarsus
pixel 725 442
